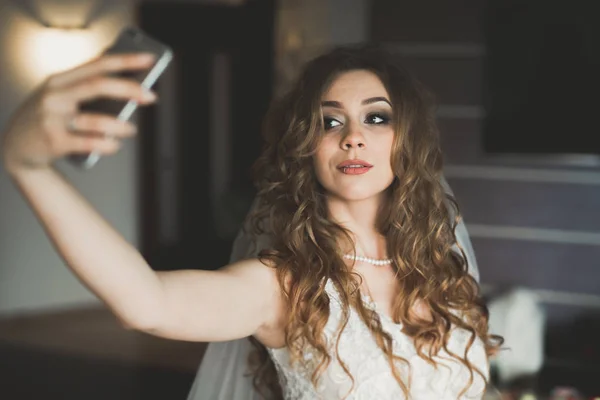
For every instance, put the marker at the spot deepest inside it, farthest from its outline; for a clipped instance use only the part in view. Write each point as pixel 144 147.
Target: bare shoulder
pixel 264 276
pixel 252 268
pixel 238 300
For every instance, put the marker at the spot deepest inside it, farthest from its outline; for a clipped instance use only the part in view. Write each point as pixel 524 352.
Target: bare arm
pixel 239 300
pixel 96 253
pixel 234 302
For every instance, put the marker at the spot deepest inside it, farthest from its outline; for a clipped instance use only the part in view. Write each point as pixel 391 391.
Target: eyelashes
pixel 375 118
pixel 330 123
pixel 378 119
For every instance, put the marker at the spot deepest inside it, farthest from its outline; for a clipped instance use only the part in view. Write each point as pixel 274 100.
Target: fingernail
pixel 147 57
pixel 149 95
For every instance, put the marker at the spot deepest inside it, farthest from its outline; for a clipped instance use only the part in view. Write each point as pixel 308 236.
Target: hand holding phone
pixel 130 40
pixel 48 126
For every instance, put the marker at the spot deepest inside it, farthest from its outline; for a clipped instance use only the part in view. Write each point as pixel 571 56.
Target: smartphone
pixel 129 40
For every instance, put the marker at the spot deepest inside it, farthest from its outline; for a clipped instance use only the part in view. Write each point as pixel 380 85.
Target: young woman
pixel 362 292
pixel 223 373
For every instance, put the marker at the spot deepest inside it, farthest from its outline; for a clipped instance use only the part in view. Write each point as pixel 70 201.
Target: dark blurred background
pixel 517 86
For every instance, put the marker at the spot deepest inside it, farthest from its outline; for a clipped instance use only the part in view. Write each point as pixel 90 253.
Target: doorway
pixel 199 142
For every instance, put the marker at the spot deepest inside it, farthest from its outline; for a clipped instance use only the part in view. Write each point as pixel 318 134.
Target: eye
pixel 330 123
pixel 377 119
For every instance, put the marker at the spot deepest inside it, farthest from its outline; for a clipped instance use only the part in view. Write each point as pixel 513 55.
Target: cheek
pixel 320 165
pixel 384 151
pixel 323 157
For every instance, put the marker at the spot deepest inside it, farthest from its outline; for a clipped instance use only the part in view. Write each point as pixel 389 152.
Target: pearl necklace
pixel 372 261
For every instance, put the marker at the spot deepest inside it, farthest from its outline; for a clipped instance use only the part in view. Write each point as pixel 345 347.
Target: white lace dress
pixel 223 372
pixel 373 379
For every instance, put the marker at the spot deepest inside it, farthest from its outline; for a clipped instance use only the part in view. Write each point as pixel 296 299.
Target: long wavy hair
pixel 418 222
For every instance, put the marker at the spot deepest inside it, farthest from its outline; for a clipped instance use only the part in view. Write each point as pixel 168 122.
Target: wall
pixel 32 277
pixel 309 27
pixel 533 219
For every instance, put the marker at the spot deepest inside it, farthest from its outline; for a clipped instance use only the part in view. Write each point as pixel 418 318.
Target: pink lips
pixel 354 167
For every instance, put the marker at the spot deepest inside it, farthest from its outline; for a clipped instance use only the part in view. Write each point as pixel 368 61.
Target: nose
pixel 354 139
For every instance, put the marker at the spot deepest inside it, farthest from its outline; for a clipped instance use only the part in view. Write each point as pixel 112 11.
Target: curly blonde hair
pixel 417 221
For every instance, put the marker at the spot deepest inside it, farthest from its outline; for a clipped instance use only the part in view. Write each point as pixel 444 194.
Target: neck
pixel 360 218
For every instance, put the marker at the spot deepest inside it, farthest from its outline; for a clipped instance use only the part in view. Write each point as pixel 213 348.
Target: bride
pixel 361 292
pixel 224 372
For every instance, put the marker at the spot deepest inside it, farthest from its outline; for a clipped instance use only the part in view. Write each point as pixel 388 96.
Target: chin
pixel 358 194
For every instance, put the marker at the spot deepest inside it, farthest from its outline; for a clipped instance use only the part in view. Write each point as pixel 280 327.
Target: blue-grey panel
pixel 529 204
pixel 461 144
pixel 539 265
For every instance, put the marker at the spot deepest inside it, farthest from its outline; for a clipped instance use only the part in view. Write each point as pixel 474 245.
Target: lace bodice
pixel 369 366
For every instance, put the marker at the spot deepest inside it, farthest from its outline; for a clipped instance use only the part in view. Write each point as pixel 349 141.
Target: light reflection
pixel 51 50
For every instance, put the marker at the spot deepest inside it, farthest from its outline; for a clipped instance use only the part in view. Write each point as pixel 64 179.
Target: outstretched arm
pixel 233 302
pixel 236 301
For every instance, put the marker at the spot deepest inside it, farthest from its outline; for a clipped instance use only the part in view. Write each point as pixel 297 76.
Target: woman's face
pixel 353 158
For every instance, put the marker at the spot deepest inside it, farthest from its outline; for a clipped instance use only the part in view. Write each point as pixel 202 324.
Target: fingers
pixel 90 123
pixel 93 144
pixel 103 65
pixel 114 88
pixel 61 97
pixel 87 133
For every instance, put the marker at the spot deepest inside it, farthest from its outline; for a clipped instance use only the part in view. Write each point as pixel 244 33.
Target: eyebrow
pixel 370 100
